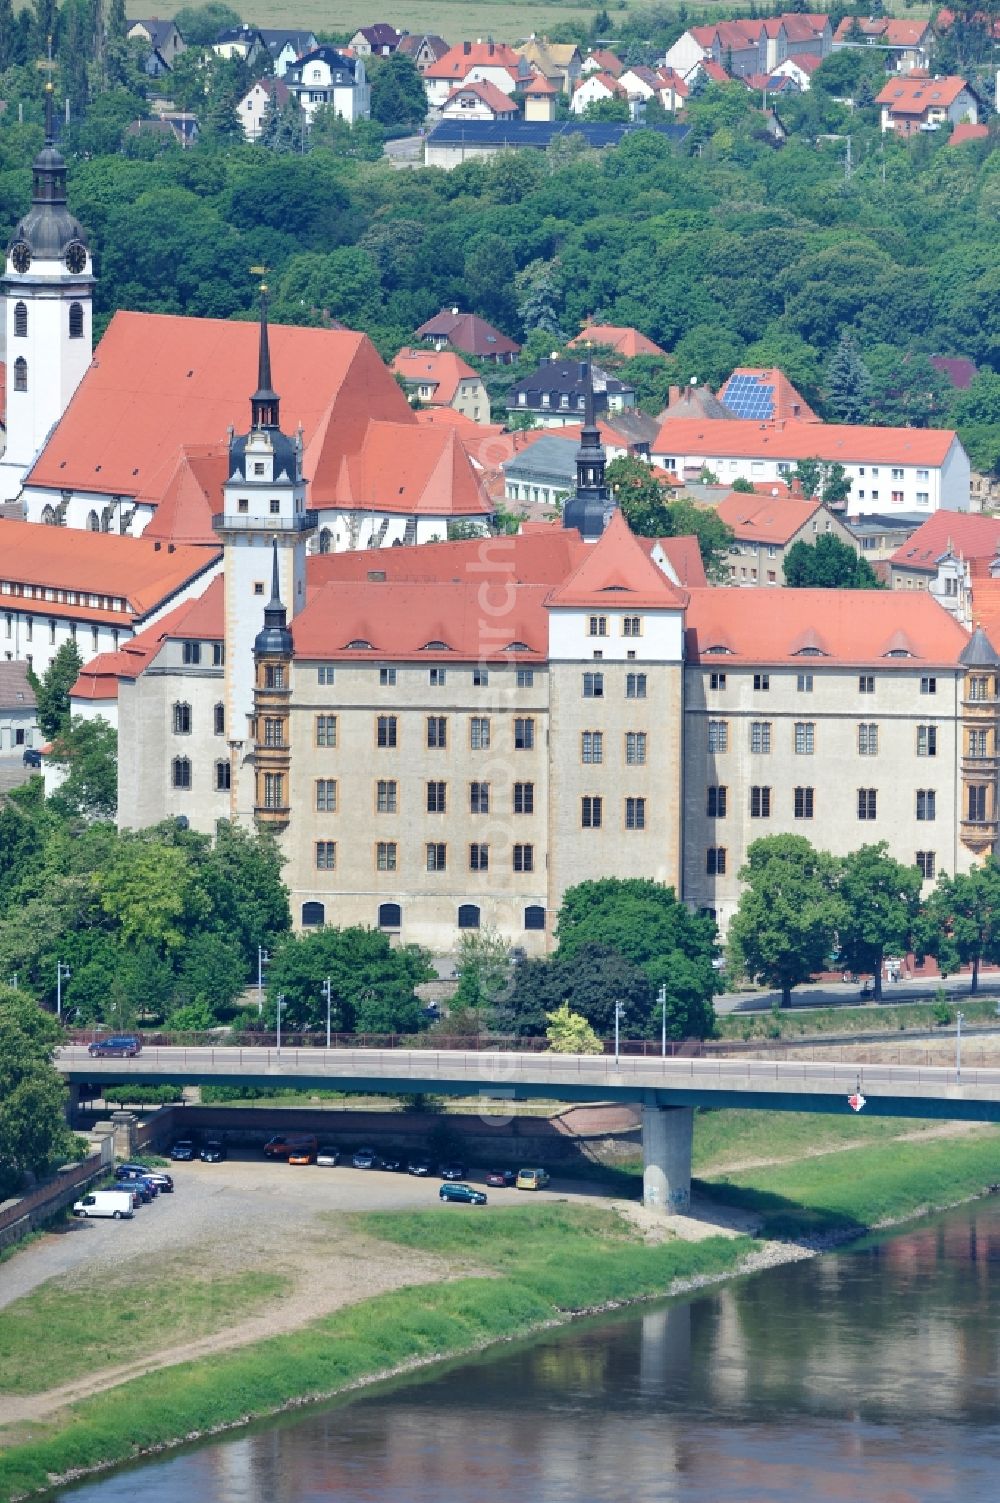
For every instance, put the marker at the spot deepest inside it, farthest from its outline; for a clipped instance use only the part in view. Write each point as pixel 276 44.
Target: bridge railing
pixel 468 1044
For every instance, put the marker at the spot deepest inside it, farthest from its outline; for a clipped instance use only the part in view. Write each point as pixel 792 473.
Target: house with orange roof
pixel 966 131
pixel 800 69
pixel 948 556
pixel 594 89
pixel 473 62
pixel 443 379
pixel 764 527
pixel 738 47
pixel 907 44
pixel 625 341
pixel 558 62
pixel 914 104
pixel 602 60
pixel 764 395
pixel 795 35
pixel 479 100
pixel 672 91
pixel 539 97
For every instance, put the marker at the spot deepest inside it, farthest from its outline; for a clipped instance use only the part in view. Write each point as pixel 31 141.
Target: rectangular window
pixel 716 680
pixel 525 678
pixel 524 735
pixel 928 685
pixel 805 738
pixel 326 855
pixel 479 857
pixel 977 802
pixel 593 686
pixel 867 803
pixel 866 683
pixel 635 686
pixel 385 730
pixel 926 863
pixel 716 802
pixel 437 798
pixel 479 798
pixel 979 743
pixel 326 795
pixel 926 740
pixel 897 473
pixel 437 677
pixel 387 676
pixel 867 739
pixel 524 798
pixel 274 676
pixel 762 682
pixel 979 688
pixel 524 858
pixel 598 626
pixel 480 678
pixel 274 732
pixel 632 626
pixel 804 683
pixel 385 856
pixel 926 803
pixel 718 735
pixel 326 673
pixel 479 732
pixel 591 810
pixel 385 796
pixel 437 856
pixel 635 814
pixel 760 803
pixel 760 736
pixel 635 748
pixel 592 746
pixel 437 731
pixel 274 790
pixel 326 730
pixel 715 861
pixel 191 652
pixel 803 803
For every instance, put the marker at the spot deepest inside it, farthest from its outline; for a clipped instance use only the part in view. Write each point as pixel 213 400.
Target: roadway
pixel 896 1090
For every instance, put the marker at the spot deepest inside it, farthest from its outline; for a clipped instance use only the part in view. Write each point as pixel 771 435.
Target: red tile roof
pixel 191 496
pixel 617 571
pixel 966 131
pixel 889 31
pixel 714 71
pixel 684 557
pixel 848 626
pixel 436 479
pixel 765 519
pixel 468 332
pixel 495 99
pixel 609 61
pixel 986 606
pixel 459 62
pixel 797 28
pixel 202 618
pixel 159 382
pixel 539 86
pixel 915 96
pixel 442 369
pixel 967 534
pixel 625 341
pixel 832 442
pixel 788 404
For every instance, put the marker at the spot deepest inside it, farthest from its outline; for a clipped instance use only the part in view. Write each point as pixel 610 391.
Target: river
pixel 872 1373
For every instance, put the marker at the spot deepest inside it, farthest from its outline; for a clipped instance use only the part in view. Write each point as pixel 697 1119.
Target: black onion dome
pixel 48 228
pixel 274 637
pixel 282 446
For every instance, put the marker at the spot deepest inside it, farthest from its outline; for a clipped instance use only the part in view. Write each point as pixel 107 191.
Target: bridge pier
pixel 667 1132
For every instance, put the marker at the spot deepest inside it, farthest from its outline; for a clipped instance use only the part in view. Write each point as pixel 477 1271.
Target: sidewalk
pixel 846 993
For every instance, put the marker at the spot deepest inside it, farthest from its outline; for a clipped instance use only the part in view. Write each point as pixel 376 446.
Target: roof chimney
pixel 673 395
pixel 490 47
pixel 466 48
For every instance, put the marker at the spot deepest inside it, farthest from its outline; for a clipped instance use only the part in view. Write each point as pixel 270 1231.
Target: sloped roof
pixel 468 332
pixel 203 618
pixel 275 88
pixel 966 131
pixel 858 626
pixel 624 340
pixel 785 401
pixel 442 369
pixel 458 62
pixel 714 71
pixel 159 382
pixel 538 86
pixel 609 61
pixel 968 535
pixel 682 556
pixel 617 571
pixel 411 45
pixel 495 99
pixel 766 519
pixel 980 652
pixel 832 442
pixel 16 692
pixel 904 95
pixel 889 30
pixel 191 496
pixel 797 28
pixel 437 477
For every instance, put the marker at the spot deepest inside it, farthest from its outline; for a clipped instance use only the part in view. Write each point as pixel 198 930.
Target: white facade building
pixel 327 77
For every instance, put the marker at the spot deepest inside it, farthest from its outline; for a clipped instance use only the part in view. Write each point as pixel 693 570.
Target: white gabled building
pixel 325 76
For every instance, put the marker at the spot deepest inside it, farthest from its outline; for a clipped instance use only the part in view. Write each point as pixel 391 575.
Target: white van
pixel 116 1203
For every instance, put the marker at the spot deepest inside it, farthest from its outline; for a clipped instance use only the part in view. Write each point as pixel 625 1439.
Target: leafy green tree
pixel 568 1033
pixel 483 967
pixel 789 914
pixel 647 506
pixel 606 109
pixel 715 537
pixel 52 690
pixel 199 25
pixel 371 983
pixel 537 299
pixel 8 55
pixel 881 899
pixel 592 979
pixel 398 93
pixel 906 389
pixel 960 922
pixel 848 382
pixel 34 1137
pixel 827 481
pixel 89 752
pixel 828 564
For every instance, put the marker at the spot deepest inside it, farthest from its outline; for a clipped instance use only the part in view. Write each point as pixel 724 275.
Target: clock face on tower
pixel 21 257
pixel 76 257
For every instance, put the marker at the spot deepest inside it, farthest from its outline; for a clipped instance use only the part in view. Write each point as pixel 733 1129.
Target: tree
pixel 848 382
pixel 537 298
pixel 789 913
pixel 483 967
pixel 960 923
pixel 646 504
pixel 715 537
pixel 89 752
pixel 828 482
pixel 52 690
pixel 33 1132
pixel 199 25
pixel 371 983
pixel 592 979
pixel 606 109
pixel 828 564
pixel 881 898
pixel 398 93
pixel 568 1033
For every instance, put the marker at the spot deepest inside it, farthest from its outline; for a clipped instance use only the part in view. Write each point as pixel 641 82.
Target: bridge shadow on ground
pixel 781 1220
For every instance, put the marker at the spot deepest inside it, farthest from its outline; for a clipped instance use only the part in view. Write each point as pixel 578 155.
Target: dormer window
pixel 359 645
pixel 435 647
pixel 898 652
pixel 810 652
pixel 717 649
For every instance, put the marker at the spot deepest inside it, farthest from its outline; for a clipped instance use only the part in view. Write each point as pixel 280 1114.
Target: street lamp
pixel 619 1014
pixel 327 992
pixel 959 1016
pixel 280 1009
pixel 661 997
pixel 262 959
pixel 63 973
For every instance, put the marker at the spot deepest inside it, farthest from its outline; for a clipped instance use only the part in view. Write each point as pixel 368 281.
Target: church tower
pixel 590 508
pixel 47 294
pixel 264 528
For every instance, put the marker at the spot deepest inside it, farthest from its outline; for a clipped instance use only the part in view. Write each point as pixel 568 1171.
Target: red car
pixel 506 1179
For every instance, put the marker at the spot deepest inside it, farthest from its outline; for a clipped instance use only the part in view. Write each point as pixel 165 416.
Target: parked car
pixel 118 1046
pixel 183 1151
pixel 532 1179
pixel 421 1166
pixel 32 757
pixel 506 1179
pixel 452 1171
pixel 327 1156
pixel 213 1152
pixel 467 1194
pixel 302 1154
pixel 160 1178
pixel 289 1142
pixel 366 1158
pixel 118 1204
pixel 392 1162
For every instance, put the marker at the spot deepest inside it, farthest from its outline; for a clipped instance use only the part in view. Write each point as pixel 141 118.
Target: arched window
pixel 76 320
pixel 20 374
pixel 468 916
pixel 223 777
pixel 390 916
pixel 93 522
pixel 48 517
pixel 220 721
pixel 326 541
pixel 313 914
pixel 534 917
pixel 21 320
pixel 181 772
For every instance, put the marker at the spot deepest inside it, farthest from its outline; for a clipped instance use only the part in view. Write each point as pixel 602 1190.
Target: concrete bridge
pixel 667 1089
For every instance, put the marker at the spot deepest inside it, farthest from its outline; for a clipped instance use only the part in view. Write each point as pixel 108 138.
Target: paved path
pixel 846 994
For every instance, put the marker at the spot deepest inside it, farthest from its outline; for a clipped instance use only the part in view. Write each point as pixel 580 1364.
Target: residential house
pixel 262 95
pixel 708 69
pixel 917 103
pixel 771 83
pixel 739 47
pixel 878 536
pixel 796 35
pixel 695 400
pixel 766 526
pixel 165 43
pixel 594 89
pixel 327 77
pixel 470 334
pixel 639 83
pixel 601 60
pixel 425 49
pixel 907 44
pixel 177 125
pixel 672 91
pixel 443 379
pixel 800 68
pixel 379 40
pixel 555 394
pixel 241 41
pixel 626 342
pixel 765 396
pixel 559 62
pixel 917 470
pixel 542 469
pixel 539 98
pixel 966 131
pixel 473 62
pixel 18 710
pixel 479 101
pixel 286 46
pixel 947 556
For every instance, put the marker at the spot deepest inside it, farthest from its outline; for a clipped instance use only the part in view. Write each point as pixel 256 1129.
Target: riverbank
pixel 497 1276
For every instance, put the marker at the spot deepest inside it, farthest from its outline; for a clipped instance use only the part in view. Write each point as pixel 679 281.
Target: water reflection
pixel 874 1374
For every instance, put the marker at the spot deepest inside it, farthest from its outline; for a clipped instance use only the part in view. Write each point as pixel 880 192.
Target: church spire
pixel 588 510
pixel 264 402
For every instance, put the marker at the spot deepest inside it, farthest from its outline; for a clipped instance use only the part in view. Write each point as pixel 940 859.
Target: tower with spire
pixel 47 297
pixel 272 656
pixel 264 529
pixel 589 508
